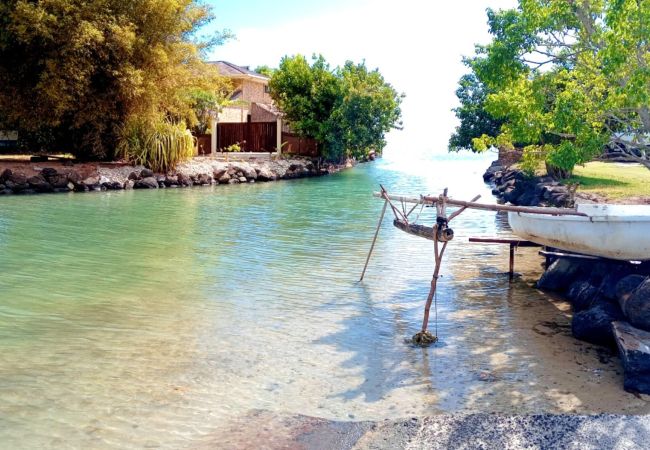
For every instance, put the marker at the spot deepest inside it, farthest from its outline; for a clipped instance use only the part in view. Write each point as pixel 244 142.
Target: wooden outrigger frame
pixel 441 234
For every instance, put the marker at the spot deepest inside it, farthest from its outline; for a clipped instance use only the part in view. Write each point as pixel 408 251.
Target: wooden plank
pixel 414 229
pixel 515 242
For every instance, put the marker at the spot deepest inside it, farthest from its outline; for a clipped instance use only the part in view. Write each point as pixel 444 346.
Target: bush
pixel 158 144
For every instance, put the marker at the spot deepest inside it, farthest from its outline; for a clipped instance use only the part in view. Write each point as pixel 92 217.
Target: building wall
pixel 254 92
pixel 261 115
pixel 234 114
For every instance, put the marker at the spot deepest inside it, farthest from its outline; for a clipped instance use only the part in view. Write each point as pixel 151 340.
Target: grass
pixel 612 180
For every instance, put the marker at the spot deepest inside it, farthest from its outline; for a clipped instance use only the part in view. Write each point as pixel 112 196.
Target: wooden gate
pixel 299 146
pixel 251 136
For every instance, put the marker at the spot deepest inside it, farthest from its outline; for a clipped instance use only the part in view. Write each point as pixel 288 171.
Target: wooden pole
pixel 374 239
pixel 524 209
pixel 434 284
pixel 511 274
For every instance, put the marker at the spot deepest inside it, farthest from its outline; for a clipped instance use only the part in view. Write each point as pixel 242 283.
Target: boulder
pixel 184 180
pixel 58 181
pixel 39 184
pixel 232 181
pixel 626 286
pixel 634 347
pixel 242 179
pixel 171 180
pixel 48 172
pixel 560 275
pixel 636 305
pixel 134 176
pixel 266 174
pixel 218 173
pixel 224 178
pixel 5 175
pixel 146 183
pixel 91 182
pixel 249 173
pixel 74 177
pixel 204 179
pixel 161 180
pixel 595 324
pixel 582 295
pixel 128 184
pixel 146 173
pixel 112 185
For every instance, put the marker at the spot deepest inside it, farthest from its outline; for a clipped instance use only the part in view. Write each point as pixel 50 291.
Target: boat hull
pixel 618 232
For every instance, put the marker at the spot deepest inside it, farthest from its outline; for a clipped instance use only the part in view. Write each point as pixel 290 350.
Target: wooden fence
pixel 296 145
pixel 251 136
pixel 256 137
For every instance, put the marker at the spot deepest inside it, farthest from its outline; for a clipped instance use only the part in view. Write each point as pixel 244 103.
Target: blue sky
pixel 416 44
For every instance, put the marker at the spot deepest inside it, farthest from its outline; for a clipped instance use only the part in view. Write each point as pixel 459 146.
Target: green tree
pixel 73 72
pixel 474 120
pixel 265 70
pixel 347 110
pixel 567 78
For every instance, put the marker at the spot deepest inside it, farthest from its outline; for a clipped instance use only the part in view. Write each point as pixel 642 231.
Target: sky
pixel 417 45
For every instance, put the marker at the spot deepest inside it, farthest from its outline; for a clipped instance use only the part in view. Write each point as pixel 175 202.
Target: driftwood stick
pixel 434 284
pixel 374 239
pixel 456 213
pixel 524 209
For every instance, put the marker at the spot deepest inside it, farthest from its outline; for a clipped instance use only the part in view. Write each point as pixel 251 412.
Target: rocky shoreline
pixel 35 178
pixel 610 299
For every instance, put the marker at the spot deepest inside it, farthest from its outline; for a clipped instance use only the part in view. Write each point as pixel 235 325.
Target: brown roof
pixel 232 70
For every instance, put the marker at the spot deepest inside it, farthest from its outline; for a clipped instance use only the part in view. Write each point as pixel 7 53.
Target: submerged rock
pixel 634 347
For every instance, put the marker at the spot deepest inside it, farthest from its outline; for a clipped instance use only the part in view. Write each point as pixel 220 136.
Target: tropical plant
pixel 158 144
pixel 74 72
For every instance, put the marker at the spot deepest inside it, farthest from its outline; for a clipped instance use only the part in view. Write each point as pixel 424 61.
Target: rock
pixel 128 184
pixel 218 173
pixel 626 286
pixel 146 183
pixel 91 181
pixel 74 177
pixel 171 180
pixel 112 185
pixel 232 181
pixel 48 172
pixel 134 176
pixel 224 178
pixel 17 178
pixel 103 180
pixel 560 275
pixel 595 324
pixel 249 173
pixel 58 181
pixel 204 179
pixel 161 180
pixel 5 175
pixel 242 179
pixel 81 187
pixel 636 305
pixel 184 180
pixel 70 186
pixel 611 280
pixel 582 295
pixel 266 174
pixel 146 173
pixel 634 347
pixel 39 184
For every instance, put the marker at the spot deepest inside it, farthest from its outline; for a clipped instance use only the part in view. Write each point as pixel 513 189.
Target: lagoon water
pixel 157 318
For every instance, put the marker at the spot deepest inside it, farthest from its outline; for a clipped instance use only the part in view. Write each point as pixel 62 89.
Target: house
pixel 250 95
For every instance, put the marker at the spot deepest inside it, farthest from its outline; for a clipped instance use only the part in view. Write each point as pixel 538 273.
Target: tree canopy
pixel 348 110
pixel 566 78
pixel 73 72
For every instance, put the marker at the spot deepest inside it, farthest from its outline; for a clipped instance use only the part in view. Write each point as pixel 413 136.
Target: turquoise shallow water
pixel 151 319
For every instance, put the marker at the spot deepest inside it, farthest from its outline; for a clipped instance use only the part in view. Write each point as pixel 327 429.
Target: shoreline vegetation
pixel 34 178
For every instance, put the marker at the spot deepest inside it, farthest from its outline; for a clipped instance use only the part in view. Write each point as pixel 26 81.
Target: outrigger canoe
pixel 619 232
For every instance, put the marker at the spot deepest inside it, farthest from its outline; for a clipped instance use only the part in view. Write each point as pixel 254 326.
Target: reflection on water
pixel 150 318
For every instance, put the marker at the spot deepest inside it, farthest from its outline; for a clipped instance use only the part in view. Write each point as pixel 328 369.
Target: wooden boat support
pixel 441 234
pixel 514 243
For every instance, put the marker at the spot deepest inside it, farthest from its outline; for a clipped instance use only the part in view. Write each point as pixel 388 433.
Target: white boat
pixel 611 231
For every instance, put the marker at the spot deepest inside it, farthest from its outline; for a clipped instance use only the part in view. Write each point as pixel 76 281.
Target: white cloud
pixel 417 45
